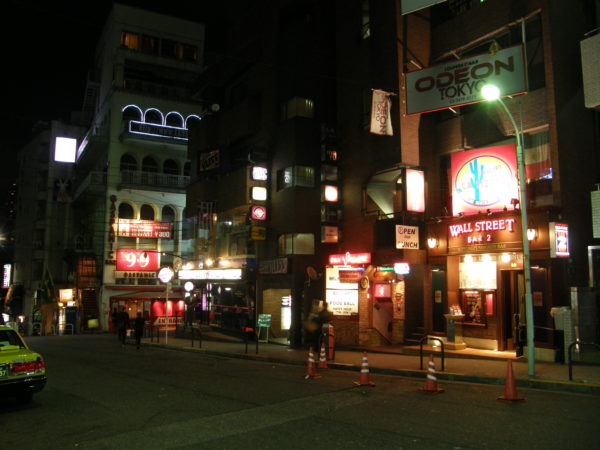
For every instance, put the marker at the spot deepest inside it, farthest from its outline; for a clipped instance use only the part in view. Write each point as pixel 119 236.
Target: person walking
pixel 122 325
pixel 138 329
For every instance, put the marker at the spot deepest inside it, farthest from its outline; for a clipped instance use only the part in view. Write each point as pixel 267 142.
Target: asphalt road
pixel 102 396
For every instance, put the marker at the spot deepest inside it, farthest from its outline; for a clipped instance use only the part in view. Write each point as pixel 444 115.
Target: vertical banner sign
pixel 381 121
pixel 415 190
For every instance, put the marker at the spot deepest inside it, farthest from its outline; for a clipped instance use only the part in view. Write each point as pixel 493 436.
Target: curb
pixel 531 383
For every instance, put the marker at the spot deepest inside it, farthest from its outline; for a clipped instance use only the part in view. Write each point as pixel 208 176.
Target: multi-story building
pixel 132 167
pixel 386 225
pixel 42 230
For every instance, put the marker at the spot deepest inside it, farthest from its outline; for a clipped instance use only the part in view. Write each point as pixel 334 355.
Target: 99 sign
pixel 128 259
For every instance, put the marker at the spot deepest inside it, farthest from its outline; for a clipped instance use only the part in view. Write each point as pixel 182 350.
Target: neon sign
pixel 559 240
pixel 140 260
pixel 162 131
pixel 348 259
pixel 481 226
pixel 483 179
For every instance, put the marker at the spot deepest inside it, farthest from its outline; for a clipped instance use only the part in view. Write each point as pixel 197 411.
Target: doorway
pixel 438 298
pixel 513 311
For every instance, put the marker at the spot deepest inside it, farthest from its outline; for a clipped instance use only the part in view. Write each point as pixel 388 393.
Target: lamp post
pixel 491 93
pixel 165 275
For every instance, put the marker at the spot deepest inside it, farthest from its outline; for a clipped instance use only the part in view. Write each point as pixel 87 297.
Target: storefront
pixel 151 303
pixel 222 297
pixel 368 302
pixel 477 275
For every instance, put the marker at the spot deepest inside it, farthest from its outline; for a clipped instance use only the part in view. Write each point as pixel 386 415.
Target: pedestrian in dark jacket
pixel 138 328
pixel 122 325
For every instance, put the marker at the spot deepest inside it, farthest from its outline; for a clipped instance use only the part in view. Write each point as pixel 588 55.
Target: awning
pixel 382 189
pixel 144 295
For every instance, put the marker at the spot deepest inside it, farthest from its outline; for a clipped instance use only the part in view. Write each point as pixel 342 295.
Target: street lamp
pixel 165 275
pixel 491 93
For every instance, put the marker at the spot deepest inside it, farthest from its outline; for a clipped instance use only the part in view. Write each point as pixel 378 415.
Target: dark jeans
pixel 122 332
pixel 138 337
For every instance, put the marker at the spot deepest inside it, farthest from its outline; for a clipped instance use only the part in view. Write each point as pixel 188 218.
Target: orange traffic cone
pixel 365 377
pixel 322 358
pixel 510 390
pixel 431 386
pixel 311 368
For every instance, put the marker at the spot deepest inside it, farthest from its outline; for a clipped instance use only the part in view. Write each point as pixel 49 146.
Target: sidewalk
pixel 473 366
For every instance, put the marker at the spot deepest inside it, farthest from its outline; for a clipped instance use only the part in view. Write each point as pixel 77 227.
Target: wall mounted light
pixel 432 242
pixel 505 258
pixel 531 234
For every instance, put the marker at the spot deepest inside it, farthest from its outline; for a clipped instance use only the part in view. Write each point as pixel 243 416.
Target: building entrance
pixel 513 314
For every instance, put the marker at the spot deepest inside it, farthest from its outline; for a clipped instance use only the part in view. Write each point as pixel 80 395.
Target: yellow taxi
pixel 22 371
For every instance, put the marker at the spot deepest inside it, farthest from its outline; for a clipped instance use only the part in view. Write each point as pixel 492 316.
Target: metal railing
pixel 427 338
pixel 573 344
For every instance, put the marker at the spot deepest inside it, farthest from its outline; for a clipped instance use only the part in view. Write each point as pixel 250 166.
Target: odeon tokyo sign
pixel 171 125
pixel 459 82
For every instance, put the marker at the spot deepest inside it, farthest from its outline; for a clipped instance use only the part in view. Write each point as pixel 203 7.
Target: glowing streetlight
pixel 491 93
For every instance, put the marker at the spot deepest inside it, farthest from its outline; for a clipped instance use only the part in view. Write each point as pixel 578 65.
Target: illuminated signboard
pixel 348 259
pixel 144 229
pixel 415 190
pixel 137 260
pixel 65 295
pixel 407 237
pixel 350 275
pixel 330 193
pixel 559 240
pixel 342 302
pixel 484 179
pixel 65 149
pixel 258 213
pixel 210 274
pixel 258 193
pixel 6 275
pixel 459 82
pixel 402 268
pixel 260 173
pixel 155 130
pixel 485 234
pixel 382 290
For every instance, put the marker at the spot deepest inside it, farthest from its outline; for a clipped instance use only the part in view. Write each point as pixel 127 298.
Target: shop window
pixel 297 244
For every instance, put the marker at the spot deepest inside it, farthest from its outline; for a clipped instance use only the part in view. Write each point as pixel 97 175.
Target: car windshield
pixel 9 337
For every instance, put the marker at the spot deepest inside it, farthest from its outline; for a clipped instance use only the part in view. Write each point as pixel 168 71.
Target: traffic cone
pixel 510 390
pixel 431 386
pixel 323 358
pixel 311 368
pixel 365 377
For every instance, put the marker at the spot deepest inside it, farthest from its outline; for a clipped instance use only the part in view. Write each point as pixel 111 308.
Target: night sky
pixel 48 49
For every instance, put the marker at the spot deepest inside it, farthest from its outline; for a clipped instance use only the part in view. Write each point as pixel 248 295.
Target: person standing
pixel 122 325
pixel 115 319
pixel 138 329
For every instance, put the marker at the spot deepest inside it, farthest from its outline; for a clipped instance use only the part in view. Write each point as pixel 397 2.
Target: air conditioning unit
pixel 590 64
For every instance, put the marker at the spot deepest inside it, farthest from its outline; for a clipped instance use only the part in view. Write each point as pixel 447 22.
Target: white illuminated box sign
pixel 260 173
pixel 210 274
pixel 65 149
pixel 330 193
pixel 259 193
pixel 559 240
pixel 415 190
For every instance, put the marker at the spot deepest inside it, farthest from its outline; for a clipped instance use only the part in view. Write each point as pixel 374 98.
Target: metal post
pixel 167 314
pixel 526 262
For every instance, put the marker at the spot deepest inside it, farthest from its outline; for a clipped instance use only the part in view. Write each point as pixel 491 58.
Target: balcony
pixel 153 181
pixel 94 182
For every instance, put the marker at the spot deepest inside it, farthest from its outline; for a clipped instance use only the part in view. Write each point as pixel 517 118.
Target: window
pixel 170 167
pixel 187 226
pixel 297 244
pixel 186 169
pixel 149 165
pixel 168 48
pixel 302 176
pixel 130 40
pixel 188 52
pixel 365 31
pixel 149 44
pixel 147 212
pixel 128 162
pixel 125 211
pixel 168 215
pixel 297 107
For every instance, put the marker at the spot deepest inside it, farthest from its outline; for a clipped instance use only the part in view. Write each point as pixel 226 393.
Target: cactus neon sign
pixel 484 179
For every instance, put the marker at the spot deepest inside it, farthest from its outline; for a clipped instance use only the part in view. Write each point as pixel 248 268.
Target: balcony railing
pixel 153 179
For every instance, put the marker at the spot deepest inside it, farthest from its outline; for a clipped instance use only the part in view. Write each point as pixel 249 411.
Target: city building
pixel 391 186
pixel 131 166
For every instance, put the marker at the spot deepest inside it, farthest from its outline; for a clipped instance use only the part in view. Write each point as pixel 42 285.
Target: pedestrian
pixel 115 317
pixel 138 329
pixel 122 325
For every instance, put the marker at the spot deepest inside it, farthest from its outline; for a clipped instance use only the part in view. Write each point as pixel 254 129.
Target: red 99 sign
pixel 128 259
